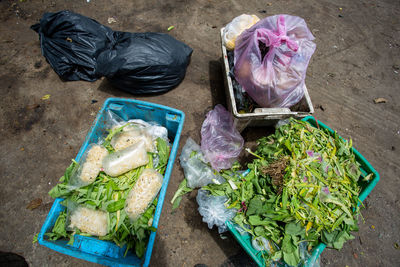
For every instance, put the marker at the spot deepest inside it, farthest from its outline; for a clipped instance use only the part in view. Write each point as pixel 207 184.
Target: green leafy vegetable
pixel 290 251
pixel 63 190
pixel 182 190
pixel 59 228
pixel 302 187
pixel 163 154
pixel 35 238
pixel 116 205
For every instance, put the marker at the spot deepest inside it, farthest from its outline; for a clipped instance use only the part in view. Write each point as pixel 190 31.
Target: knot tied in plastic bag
pixel 80 48
pixel 221 143
pixel 271 60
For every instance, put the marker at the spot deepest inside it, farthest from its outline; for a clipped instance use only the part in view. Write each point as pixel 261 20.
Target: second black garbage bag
pixel 144 62
pixel 80 48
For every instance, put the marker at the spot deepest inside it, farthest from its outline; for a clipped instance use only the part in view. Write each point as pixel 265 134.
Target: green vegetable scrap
pixel 163 155
pixel 108 194
pixel 35 238
pixel 302 187
pixel 182 190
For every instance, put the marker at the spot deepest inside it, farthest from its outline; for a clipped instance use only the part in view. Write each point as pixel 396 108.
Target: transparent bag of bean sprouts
pixel 89 166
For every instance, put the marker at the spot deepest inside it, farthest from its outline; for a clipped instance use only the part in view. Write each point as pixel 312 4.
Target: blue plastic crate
pixel 106 252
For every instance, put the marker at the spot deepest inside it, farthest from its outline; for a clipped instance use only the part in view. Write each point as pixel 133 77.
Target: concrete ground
pixel 357 60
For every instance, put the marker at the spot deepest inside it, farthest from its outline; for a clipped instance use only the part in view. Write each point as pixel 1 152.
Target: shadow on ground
pixel 235 255
pixel 106 87
pixel 161 255
pixel 228 245
pixel 12 260
pixel 216 82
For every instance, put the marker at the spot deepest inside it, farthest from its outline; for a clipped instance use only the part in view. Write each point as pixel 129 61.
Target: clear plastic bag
pixel 305 258
pixel 191 149
pixel 242 231
pixel 151 128
pixel 134 131
pixel 260 243
pixel 197 173
pixel 221 143
pixel 236 27
pixel 122 161
pixel 89 166
pixel 93 222
pixel 213 210
pixel 130 136
pixel 281 123
pixel 143 193
pixel 271 60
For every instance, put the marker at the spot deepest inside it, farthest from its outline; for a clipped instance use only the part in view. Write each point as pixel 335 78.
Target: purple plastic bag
pixel 277 79
pixel 221 143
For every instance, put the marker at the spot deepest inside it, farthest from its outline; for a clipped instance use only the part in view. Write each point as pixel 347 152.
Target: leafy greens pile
pixel 109 194
pixel 302 187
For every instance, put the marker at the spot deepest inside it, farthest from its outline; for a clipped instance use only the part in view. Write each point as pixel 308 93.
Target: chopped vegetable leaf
pixel 182 190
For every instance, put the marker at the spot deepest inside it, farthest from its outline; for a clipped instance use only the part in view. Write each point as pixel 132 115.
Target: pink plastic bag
pixel 276 79
pixel 221 143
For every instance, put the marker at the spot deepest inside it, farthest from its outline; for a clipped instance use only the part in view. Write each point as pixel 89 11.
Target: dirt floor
pixel 357 60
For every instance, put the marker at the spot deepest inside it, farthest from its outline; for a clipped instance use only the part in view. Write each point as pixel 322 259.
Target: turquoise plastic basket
pixel 105 252
pixel 365 167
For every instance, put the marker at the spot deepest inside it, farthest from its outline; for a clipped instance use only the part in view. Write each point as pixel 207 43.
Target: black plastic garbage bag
pixel 79 48
pixel 144 62
pixel 71 43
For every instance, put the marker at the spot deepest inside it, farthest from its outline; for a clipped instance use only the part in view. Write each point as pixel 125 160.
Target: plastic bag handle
pixel 275 39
